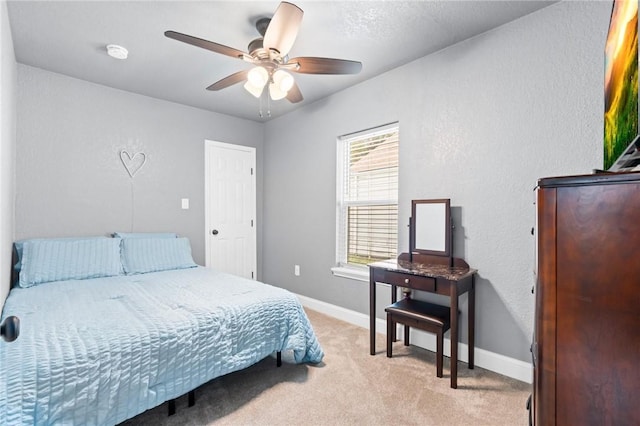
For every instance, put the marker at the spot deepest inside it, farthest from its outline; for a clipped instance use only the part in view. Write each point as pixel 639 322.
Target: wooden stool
pixel 421 315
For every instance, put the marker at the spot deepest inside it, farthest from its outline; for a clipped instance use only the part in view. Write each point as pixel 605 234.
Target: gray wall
pixel 480 122
pixel 71 182
pixel 7 149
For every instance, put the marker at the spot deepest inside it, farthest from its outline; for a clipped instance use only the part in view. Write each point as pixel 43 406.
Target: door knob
pixel 214 232
pixel 10 328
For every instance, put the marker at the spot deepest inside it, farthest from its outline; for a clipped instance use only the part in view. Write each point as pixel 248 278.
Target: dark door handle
pixel 214 232
pixel 10 328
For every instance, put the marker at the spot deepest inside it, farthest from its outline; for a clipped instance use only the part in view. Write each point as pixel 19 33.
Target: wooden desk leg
pixel 394 299
pixel 372 313
pixel 454 337
pixel 472 322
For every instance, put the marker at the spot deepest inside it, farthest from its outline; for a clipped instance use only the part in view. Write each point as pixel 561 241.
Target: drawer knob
pixel 406 280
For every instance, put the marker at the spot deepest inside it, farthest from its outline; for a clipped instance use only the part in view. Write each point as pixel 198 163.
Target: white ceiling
pixel 69 37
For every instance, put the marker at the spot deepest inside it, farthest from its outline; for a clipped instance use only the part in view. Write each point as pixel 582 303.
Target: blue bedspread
pixel 103 350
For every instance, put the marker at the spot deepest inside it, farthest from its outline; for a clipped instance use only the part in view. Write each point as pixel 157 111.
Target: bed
pixel 124 337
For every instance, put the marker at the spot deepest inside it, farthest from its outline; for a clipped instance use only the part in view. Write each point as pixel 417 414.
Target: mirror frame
pixel 414 221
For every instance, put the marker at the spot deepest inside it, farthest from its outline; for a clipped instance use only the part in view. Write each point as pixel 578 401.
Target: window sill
pixel 357 274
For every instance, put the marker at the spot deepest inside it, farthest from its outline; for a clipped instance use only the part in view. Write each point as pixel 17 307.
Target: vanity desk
pixel 434 275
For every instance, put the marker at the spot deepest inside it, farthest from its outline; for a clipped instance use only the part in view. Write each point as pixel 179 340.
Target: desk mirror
pixel 430 227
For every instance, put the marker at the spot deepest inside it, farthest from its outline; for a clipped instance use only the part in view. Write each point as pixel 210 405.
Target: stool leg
pixel 439 355
pixel 390 326
pixel 406 335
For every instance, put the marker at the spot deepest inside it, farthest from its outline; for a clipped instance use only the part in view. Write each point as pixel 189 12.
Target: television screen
pixel 621 142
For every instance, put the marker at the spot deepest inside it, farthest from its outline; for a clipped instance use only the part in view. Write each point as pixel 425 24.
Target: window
pixel 367 196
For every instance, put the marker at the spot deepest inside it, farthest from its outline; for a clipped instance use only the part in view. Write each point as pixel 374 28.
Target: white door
pixel 230 217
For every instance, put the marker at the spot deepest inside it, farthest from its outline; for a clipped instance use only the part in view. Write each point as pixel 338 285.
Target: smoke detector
pixel 117 52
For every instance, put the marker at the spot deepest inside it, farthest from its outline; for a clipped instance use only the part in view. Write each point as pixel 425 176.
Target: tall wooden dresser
pixel 586 347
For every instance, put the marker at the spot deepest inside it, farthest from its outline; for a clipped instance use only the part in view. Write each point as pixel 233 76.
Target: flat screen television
pixel 621 140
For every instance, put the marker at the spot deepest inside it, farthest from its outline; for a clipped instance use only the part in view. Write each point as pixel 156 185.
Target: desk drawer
pixel 411 281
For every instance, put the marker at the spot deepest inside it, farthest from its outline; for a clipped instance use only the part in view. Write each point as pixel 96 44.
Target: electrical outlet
pixel 296 270
pixel 185 204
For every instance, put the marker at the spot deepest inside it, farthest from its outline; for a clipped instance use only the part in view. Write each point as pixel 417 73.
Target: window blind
pixel 368 196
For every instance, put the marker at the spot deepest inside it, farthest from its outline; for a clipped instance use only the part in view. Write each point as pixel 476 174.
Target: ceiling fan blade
pixel 229 80
pixel 206 44
pixel 283 28
pixel 294 95
pixel 310 65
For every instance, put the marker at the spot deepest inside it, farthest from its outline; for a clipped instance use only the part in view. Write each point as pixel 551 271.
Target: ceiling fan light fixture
pixel 275 92
pixel 269 57
pixel 254 90
pixel 258 77
pixel 283 80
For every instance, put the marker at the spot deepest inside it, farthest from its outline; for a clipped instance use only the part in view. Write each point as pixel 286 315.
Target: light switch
pixel 185 204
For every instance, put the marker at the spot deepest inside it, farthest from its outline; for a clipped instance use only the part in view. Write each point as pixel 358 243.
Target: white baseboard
pixel 498 363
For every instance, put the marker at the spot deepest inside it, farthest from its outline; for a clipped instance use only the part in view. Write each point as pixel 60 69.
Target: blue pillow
pixel 124 235
pixel 20 243
pixel 47 260
pixel 141 255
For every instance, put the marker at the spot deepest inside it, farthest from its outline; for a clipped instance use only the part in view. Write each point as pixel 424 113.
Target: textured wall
pixel 7 149
pixel 480 122
pixel 71 182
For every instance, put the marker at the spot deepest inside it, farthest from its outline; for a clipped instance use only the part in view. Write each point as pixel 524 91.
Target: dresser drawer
pixel 407 280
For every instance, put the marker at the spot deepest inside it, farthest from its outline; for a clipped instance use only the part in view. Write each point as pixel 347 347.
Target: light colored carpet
pixel 351 387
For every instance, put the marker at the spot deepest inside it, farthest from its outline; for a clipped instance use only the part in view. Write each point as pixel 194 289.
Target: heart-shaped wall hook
pixel 133 163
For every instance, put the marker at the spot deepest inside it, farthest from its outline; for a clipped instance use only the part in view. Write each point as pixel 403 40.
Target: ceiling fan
pixel 269 55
